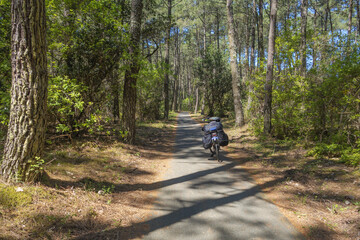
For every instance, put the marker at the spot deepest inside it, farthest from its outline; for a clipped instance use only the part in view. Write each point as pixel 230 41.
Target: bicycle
pixel 215 144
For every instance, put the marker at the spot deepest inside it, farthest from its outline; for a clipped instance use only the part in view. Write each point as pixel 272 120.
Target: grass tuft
pixel 9 197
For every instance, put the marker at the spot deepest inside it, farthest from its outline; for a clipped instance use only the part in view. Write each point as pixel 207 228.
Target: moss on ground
pixel 11 197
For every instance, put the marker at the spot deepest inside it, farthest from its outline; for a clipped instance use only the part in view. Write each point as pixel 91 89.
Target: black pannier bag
pixel 223 138
pixel 206 140
pixel 211 125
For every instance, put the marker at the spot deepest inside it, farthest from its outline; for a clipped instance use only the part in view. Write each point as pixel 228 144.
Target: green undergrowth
pixel 346 154
pixel 103 187
pixel 337 147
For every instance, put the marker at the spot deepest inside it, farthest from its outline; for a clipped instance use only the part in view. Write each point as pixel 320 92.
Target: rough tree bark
pixel 27 123
pixel 239 113
pixel 129 95
pixel 270 68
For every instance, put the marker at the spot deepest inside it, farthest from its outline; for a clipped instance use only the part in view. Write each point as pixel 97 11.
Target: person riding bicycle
pixel 214 125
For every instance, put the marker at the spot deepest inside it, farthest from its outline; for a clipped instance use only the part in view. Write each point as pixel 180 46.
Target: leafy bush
pixel 351 157
pixel 348 155
pixel 67 107
pixel 328 150
pixel 149 87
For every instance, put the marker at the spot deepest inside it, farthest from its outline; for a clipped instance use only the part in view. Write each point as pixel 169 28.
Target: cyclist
pixel 213 124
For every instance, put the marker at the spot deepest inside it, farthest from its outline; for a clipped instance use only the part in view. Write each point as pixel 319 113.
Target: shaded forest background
pixel 185 66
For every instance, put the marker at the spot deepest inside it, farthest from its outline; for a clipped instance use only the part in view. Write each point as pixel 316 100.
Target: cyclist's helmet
pixel 216 119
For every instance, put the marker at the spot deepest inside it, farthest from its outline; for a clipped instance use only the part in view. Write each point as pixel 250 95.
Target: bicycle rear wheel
pixel 217 148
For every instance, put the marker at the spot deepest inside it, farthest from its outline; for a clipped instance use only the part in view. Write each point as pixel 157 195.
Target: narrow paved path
pixel 204 199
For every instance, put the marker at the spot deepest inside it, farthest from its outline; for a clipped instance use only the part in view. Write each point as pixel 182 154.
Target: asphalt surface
pixel 203 199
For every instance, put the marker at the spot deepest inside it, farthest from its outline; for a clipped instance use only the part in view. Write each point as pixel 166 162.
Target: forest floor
pixel 97 184
pixel 91 185
pixel 320 197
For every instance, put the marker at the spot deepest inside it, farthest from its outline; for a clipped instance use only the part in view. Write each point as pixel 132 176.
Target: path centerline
pixel 211 202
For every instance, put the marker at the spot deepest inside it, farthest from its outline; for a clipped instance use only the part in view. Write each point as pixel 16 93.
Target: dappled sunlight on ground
pixel 92 185
pixel 320 197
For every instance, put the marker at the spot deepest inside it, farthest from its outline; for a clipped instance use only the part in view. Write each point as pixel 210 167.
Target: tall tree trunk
pixel 177 71
pixel 358 17
pixel 330 20
pixel 116 101
pixel 241 74
pixel 198 47
pixel 196 100
pixel 261 32
pixel 129 95
pixel 350 21
pixel 203 102
pixel 253 36
pixel 270 68
pixel 167 63
pixel 252 55
pixel 217 29
pixel 314 53
pixel 203 56
pixel 204 30
pixel 27 124
pixel 247 44
pixel 304 10
pixel 239 113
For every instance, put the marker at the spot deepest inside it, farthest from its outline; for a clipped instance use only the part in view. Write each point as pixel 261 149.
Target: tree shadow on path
pixel 139 229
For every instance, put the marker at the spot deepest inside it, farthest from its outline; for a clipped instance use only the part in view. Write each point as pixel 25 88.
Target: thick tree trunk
pixel 239 113
pixel 270 68
pixel 167 63
pixel 27 123
pixel 304 11
pixel 129 95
